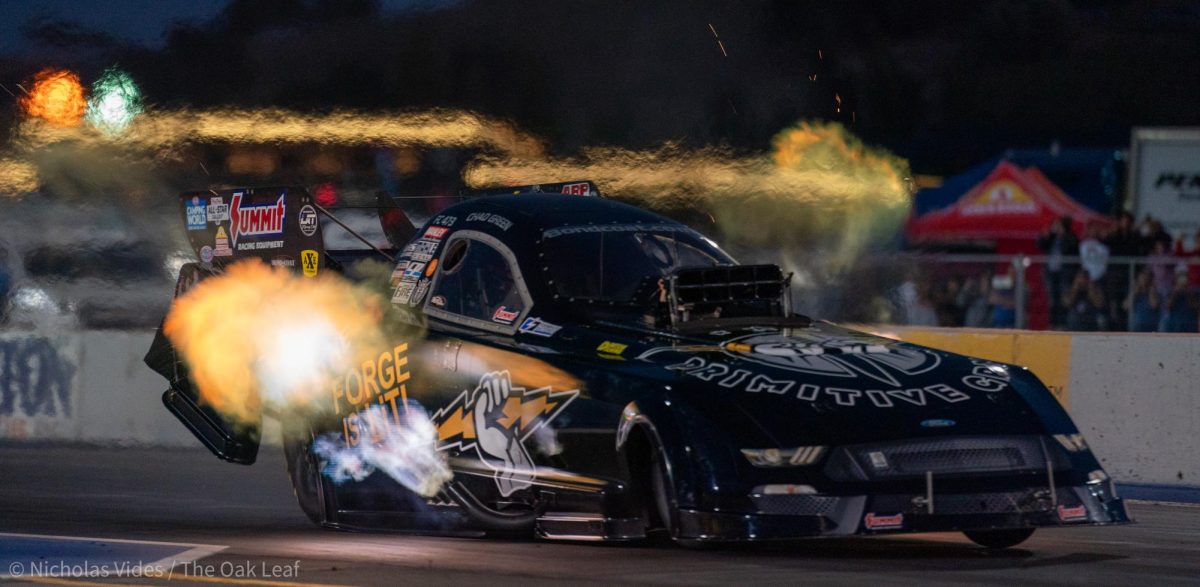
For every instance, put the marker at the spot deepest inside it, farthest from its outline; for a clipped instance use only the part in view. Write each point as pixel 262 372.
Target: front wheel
pixel 998 539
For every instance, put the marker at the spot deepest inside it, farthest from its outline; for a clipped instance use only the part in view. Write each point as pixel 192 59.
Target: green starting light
pixel 115 102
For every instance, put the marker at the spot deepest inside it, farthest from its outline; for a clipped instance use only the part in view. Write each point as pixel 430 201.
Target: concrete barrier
pixel 1135 397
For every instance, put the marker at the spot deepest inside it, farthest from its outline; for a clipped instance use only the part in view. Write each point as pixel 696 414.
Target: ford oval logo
pixel 937 423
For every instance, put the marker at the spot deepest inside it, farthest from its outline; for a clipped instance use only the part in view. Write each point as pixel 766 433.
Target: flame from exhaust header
pixel 259 336
pixel 17 177
pixel 165 130
pixel 820 184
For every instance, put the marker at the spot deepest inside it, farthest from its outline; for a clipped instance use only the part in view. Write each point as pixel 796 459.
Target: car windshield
pixel 617 263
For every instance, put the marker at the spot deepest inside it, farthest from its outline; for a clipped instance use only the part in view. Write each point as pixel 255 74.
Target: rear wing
pixel 286 227
pixel 570 188
pixel 279 225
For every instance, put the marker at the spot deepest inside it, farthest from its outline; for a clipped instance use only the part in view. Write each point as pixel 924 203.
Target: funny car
pixel 599 372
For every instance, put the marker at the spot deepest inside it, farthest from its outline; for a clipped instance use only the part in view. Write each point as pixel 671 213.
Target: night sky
pixel 946 85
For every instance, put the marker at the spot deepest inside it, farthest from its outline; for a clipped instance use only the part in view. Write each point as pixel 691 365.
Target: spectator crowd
pixel 1126 277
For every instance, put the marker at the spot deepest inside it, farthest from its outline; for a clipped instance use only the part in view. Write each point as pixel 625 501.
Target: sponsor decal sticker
pixel 866 372
pixel 310 262
pixel 218 210
pixel 221 248
pixel 505 316
pixel 875 521
pixel 495 219
pixel 420 291
pixel 601 228
pixel 1067 514
pixel 378 382
pixel 497 422
pixel 435 232
pixel 404 292
pixel 438 301
pixel 398 273
pixel 283 261
pixel 424 247
pixel 539 327
pixel 429 269
pixel 260 220
pixel 576 189
pixel 308 220
pixel 938 423
pixel 197 218
pixel 612 348
pixel 849 357
pixel 414 271
pixel 206 255
pixel 259 245
pixel 444 220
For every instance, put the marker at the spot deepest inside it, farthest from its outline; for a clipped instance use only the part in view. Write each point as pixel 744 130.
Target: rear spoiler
pixel 571 188
pixel 280 225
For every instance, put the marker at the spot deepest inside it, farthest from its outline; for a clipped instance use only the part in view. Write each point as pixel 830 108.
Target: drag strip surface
pixel 248 517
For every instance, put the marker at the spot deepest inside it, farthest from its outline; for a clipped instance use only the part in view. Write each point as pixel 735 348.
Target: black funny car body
pixel 599 372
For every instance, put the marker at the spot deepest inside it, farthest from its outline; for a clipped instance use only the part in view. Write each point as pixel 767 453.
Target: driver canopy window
pixel 477 281
pixel 617 266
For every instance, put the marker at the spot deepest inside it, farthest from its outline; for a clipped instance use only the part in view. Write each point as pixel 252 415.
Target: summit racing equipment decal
pixel 496 420
pixel 260 220
pixel 833 356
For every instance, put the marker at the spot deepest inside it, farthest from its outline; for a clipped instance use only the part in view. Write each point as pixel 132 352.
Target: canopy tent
pixel 1090 176
pixel 1010 207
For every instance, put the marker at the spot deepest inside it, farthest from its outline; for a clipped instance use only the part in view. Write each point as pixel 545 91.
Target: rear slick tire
pixel 999 539
pixel 305 475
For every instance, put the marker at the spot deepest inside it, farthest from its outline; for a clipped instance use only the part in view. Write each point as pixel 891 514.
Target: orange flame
pixel 260 336
pixel 56 97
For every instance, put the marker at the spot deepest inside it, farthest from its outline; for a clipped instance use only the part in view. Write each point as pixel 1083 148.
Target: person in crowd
pixel 1003 300
pixel 916 300
pixel 977 310
pixel 1122 241
pixel 1180 308
pixel 1154 232
pixel 1162 268
pixel 1057 242
pixel 1087 306
pixel 1094 253
pixel 1144 303
pixel 1192 254
pixel 947 305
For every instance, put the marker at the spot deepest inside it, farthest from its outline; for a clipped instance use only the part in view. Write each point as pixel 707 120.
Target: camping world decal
pixel 497 422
